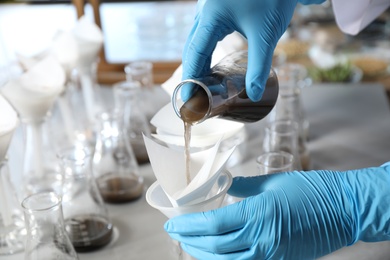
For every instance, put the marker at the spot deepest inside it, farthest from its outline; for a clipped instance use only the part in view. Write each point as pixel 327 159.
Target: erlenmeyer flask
pixel 46 236
pixel 127 95
pixel 114 164
pixel 12 228
pixel 85 215
pixel 273 162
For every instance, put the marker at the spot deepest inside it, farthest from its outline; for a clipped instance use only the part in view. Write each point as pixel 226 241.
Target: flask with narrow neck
pixel 114 163
pixel 126 96
pixel 40 167
pixel 86 219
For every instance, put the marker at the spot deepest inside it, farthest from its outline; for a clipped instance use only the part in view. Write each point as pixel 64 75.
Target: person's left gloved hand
pixel 293 215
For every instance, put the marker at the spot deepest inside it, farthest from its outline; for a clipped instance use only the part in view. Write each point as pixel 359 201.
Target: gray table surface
pixel 349 128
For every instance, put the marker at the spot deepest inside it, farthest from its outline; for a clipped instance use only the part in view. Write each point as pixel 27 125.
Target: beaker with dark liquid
pixel 86 218
pixel 221 93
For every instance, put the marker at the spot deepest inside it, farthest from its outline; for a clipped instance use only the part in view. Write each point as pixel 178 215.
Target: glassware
pixel 152 95
pixel 292 79
pixel 115 167
pixel 141 71
pixel 40 166
pixel 71 123
pixel 33 104
pixel 127 96
pixel 273 162
pixel 12 228
pixel 46 235
pixel 282 135
pixel 86 218
pixel 222 93
pixel 85 78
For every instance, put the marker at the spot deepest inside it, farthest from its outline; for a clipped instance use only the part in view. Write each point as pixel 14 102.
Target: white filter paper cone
pixel 89 39
pixel 169 168
pixel 34 92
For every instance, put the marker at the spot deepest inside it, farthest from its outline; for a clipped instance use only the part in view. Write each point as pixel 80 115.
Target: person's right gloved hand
pixel 293 215
pixel 261 22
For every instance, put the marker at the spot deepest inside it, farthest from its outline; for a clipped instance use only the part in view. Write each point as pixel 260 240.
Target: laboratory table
pixel 349 128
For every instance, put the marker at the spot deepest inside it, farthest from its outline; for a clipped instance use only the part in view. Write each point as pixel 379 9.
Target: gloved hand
pixel 262 22
pixel 293 215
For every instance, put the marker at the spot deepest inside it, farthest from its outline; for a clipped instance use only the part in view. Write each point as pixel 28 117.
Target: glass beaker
pixel 12 228
pixel 292 79
pixel 222 93
pixel 114 164
pixel 127 97
pixel 282 135
pixel 46 235
pixel 86 218
pixel 273 162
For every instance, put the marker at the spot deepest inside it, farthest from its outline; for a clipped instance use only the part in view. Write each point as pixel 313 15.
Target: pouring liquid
pixel 192 111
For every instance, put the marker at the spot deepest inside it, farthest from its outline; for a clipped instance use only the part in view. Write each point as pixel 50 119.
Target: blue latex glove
pixel 293 215
pixel 261 22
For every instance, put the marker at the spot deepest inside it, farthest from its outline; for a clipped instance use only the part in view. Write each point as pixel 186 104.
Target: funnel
pixel 157 198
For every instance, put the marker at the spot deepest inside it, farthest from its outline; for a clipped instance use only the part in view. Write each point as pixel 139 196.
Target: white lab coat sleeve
pixel 352 16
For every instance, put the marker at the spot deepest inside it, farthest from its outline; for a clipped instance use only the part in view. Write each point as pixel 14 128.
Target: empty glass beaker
pixel 46 235
pixel 86 218
pixel 222 93
pixel 127 97
pixel 282 135
pixel 273 162
pixel 292 79
pixel 115 167
pixel 12 228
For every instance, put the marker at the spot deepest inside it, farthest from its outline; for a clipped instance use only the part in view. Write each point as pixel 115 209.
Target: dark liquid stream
pixel 191 112
pixel 117 189
pixel 88 232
